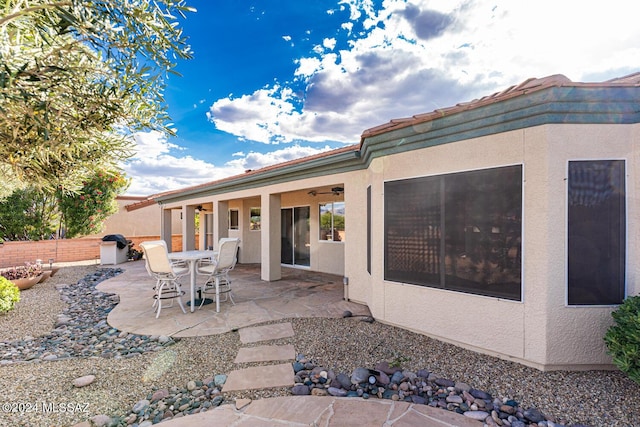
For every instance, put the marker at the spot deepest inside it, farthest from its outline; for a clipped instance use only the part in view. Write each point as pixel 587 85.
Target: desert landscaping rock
pixel 82 330
pixel 84 381
pixel 40 363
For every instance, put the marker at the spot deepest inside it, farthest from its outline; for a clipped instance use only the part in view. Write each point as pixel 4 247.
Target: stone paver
pixel 265 353
pixel 256 302
pixel 259 377
pixel 266 332
pixel 327 412
pixel 424 415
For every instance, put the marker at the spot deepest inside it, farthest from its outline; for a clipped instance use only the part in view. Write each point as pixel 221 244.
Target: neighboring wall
pixel 65 250
pixel 142 220
pixel 137 225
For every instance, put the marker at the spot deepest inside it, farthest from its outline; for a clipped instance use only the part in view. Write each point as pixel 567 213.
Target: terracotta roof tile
pixel 141 204
pixel 633 79
pixel 527 86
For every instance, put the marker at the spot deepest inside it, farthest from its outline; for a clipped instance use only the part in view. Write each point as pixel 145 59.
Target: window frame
pixel 333 228
pixel 369 225
pixel 623 288
pixel 252 216
pixel 234 214
pixel 436 186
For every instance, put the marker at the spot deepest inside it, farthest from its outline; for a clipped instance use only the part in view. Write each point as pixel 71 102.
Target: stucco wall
pixel 450 316
pixel 144 221
pixel 574 333
pixel 542 330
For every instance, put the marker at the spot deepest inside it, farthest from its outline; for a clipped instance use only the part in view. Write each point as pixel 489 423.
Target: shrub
pixel 623 338
pixel 9 295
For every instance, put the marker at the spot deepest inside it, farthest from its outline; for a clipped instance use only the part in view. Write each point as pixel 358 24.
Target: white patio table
pixel 192 257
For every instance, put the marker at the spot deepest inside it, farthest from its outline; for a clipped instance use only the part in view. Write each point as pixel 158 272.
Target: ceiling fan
pixel 200 208
pixel 336 191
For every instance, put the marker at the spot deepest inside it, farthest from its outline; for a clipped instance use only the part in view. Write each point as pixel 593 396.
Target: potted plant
pixel 9 295
pixel 24 276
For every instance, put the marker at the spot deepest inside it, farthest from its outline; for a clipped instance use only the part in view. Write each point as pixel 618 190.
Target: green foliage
pixel 77 78
pixel 85 212
pixel 33 214
pixel 9 295
pixel 325 221
pixel 27 214
pixel 623 338
pixel 399 361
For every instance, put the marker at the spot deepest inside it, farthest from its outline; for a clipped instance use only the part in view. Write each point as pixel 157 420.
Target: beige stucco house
pixel 507 225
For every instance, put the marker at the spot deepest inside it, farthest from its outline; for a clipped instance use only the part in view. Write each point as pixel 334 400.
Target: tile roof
pixel 528 86
pixel 146 201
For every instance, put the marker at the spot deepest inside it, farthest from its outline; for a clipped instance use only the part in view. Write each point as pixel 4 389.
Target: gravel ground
pixel 594 398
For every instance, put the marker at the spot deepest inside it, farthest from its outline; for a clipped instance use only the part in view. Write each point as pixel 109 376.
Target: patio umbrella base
pixel 198 302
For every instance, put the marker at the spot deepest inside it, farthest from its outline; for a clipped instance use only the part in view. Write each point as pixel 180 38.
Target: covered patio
pixel 300 293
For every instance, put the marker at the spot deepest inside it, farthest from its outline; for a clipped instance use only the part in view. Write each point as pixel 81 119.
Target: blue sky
pixel 276 80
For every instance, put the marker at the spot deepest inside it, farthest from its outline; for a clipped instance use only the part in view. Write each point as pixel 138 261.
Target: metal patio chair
pixel 167 275
pixel 217 280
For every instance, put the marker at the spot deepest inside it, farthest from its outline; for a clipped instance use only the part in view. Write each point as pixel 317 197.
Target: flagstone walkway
pixel 298 294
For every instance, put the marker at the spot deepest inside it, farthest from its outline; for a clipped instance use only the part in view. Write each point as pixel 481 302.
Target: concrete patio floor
pixel 299 293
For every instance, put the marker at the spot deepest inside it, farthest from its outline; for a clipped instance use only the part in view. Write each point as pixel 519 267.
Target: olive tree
pixel 77 77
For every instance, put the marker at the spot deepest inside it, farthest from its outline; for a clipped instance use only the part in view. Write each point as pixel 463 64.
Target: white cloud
pixel 329 43
pixel 416 56
pixel 156 167
pixel 255 160
pixel 307 67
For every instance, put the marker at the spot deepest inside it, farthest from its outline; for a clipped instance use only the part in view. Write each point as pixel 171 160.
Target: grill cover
pixel 120 240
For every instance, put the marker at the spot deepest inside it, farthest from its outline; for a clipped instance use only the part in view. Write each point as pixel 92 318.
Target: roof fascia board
pixel 342 162
pixel 577 105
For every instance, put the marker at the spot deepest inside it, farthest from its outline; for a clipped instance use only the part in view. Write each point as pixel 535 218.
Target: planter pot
pixel 45 275
pixel 26 283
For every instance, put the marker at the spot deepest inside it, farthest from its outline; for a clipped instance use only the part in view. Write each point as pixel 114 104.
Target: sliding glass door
pixel 295 236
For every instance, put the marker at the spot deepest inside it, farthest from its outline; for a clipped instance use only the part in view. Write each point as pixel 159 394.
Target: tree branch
pixel 28 10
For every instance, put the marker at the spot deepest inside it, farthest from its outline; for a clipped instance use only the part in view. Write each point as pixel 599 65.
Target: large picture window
pixel 332 221
pixel 458 231
pixel 596 232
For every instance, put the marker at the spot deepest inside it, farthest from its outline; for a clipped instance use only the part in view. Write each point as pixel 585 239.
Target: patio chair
pixel 217 280
pixel 167 275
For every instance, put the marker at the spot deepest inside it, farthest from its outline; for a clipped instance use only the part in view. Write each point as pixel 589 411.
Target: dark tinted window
pixel 596 229
pixel 458 231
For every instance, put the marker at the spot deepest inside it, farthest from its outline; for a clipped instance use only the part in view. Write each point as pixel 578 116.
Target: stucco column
pixel 165 227
pixel 188 228
pixel 270 236
pixel 220 221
